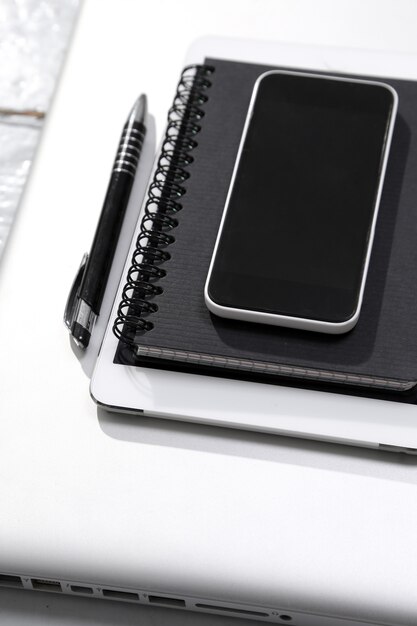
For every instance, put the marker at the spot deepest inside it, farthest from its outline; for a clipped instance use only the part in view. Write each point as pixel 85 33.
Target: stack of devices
pixel 276 245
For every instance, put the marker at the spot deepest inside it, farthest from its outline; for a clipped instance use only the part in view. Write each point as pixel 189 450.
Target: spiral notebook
pixel 162 320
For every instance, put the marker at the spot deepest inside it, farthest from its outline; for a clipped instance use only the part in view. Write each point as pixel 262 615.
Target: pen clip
pixel 72 301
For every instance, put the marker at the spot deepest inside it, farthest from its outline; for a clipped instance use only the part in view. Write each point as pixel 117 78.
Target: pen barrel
pixel 111 219
pixel 130 147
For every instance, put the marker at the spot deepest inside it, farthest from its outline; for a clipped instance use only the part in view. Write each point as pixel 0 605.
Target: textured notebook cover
pixel 384 342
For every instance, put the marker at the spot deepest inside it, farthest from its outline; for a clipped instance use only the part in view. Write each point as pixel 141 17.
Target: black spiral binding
pixel 163 204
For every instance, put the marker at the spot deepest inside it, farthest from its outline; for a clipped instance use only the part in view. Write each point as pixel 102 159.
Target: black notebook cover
pixel 380 351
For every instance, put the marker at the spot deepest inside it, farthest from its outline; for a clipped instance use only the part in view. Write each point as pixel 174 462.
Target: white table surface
pixel 120 47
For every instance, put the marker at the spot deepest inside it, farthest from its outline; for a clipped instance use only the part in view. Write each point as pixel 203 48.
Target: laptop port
pixel 10 581
pixel 166 601
pixel 226 609
pixel 46 585
pixel 81 589
pixel 120 595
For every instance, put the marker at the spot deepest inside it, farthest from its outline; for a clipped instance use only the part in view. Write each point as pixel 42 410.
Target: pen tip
pixel 139 110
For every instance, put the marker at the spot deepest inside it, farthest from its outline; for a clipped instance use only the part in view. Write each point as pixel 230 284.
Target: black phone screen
pixel 295 235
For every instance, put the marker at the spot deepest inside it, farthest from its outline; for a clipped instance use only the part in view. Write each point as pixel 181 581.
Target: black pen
pixel 86 295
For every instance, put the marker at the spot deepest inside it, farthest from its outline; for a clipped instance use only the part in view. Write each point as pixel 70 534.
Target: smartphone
pixel 296 234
